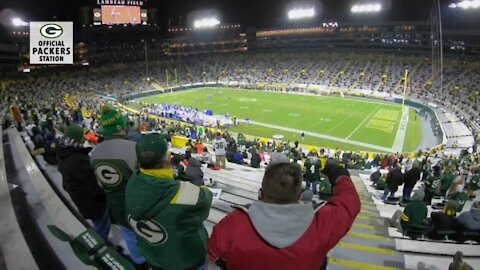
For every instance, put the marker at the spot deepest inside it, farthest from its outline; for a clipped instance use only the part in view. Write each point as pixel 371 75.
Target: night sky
pixel 256 13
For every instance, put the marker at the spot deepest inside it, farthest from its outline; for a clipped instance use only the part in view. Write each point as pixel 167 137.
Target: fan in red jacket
pixel 279 232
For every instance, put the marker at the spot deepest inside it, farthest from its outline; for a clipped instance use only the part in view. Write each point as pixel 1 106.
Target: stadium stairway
pixel 366 246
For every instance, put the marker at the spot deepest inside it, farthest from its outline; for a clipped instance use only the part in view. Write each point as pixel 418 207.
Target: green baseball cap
pixel 150 149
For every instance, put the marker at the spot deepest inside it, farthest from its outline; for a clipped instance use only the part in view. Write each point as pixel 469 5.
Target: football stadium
pixel 329 121
pixel 214 135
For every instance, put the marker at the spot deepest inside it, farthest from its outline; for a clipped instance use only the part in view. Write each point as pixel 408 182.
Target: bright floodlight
pixel 206 23
pixel 18 22
pixel 467 4
pixel 299 13
pixel 366 8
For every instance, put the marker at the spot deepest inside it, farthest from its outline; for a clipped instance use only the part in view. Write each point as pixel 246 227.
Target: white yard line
pixel 361 124
pixel 341 122
pixel 401 132
pixel 323 136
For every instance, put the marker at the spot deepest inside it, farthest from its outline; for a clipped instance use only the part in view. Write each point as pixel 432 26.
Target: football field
pixel 334 122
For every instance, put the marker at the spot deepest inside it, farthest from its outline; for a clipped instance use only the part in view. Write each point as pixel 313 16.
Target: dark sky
pixel 259 13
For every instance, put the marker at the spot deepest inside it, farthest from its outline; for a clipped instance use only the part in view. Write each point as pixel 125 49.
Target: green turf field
pixel 335 122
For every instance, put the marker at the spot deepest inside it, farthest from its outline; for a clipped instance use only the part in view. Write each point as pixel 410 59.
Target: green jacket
pixel 432 184
pixel 415 213
pixel 381 183
pixel 447 180
pixel 475 182
pixel 461 198
pixel 167 215
pixel 114 161
pixel 312 169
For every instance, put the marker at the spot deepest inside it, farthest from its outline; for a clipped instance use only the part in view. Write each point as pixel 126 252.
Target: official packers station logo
pixel 149 230
pixel 108 174
pixel 51 30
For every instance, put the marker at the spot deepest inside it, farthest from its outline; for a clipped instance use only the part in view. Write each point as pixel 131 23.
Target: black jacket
pixel 80 182
pixel 442 221
pixel 394 179
pixel 375 176
pixel 411 177
pixel 255 161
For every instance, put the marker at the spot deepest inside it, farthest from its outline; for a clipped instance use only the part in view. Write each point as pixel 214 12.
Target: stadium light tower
pixel 206 23
pixel 466 4
pixel 301 13
pixel 19 22
pixel 366 8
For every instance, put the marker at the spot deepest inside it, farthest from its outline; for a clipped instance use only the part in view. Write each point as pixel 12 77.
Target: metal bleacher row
pixel 12 241
pixel 456 132
pixel 369 244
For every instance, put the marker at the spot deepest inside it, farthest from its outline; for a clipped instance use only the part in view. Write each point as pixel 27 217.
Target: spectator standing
pixel 432 184
pixel 113 162
pixel 278 232
pixel 168 218
pixel 312 168
pixel 411 177
pixel 220 147
pixel 394 179
pixel 79 181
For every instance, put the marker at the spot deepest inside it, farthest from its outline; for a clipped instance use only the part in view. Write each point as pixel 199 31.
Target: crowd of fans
pixel 378 73
pixel 455 180
pixel 66 119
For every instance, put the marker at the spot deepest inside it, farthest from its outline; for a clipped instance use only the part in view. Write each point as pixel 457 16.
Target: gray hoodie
pixel 471 219
pixel 194 171
pixel 281 225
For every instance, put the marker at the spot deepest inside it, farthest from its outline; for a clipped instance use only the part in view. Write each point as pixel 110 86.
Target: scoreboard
pixel 119 14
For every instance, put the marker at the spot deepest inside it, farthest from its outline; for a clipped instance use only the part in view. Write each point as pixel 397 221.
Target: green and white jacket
pixel 167 215
pixel 114 161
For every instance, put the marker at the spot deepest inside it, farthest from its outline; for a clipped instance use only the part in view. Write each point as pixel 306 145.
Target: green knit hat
pixel 150 150
pixel 75 133
pixel 112 121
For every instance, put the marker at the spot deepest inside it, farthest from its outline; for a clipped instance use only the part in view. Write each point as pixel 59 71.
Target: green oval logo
pixel 51 31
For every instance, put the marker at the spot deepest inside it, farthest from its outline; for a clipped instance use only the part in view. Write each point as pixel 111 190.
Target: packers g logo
pixel 108 174
pixel 149 230
pixel 51 30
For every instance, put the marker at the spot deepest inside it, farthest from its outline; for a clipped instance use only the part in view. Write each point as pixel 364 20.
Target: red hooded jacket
pixel 292 236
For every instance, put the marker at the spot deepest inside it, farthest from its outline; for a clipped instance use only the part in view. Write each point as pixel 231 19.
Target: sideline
pixel 401 132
